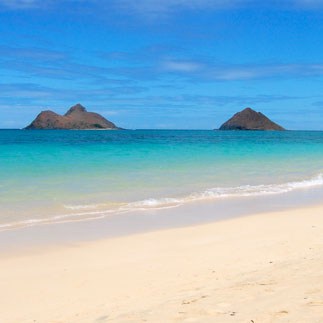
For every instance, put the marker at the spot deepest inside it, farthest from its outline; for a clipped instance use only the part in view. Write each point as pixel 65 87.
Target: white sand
pixel 262 268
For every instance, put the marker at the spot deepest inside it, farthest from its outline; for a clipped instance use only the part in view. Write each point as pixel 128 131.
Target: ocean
pixel 55 176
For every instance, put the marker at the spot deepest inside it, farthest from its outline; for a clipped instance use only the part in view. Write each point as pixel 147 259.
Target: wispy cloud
pixel 308 4
pixel 181 66
pixel 25 91
pixel 34 93
pixel 47 63
pixel 33 53
pixel 39 4
pixel 233 72
pixel 23 4
pixel 156 8
pixel 150 53
pixel 194 103
pixel 149 7
pixel 127 68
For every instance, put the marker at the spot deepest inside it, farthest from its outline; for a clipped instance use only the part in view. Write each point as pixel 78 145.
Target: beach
pixel 161 161
pixel 261 268
pixel 161 226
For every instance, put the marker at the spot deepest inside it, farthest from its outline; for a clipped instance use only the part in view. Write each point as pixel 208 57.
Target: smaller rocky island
pixel 249 119
pixel 76 118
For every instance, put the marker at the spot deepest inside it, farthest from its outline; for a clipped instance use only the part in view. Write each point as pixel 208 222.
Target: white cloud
pixel 181 66
pixel 21 4
pixel 209 71
pixel 153 7
pixel 266 71
pixel 234 74
pixel 308 3
pixel 38 4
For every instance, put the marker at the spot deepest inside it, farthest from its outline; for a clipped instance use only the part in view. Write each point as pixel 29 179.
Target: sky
pixel 166 64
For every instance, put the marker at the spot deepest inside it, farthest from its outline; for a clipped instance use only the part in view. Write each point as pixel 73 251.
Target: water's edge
pixel 142 221
pixel 88 212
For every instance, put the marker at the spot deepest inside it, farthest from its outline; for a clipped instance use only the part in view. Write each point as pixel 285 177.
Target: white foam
pixel 230 192
pixel 154 203
pixel 84 206
pixel 169 202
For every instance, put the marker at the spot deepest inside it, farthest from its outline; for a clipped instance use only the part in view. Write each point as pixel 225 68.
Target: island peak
pixel 249 119
pixel 76 118
pixel 76 108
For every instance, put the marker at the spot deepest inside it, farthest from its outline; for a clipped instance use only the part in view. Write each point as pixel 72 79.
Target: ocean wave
pixel 228 192
pixel 89 206
pixel 169 202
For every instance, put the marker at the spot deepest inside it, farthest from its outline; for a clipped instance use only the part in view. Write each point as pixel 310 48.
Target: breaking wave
pixel 97 211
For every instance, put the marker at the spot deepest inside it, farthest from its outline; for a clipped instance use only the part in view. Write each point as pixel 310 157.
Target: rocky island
pixel 76 118
pixel 249 119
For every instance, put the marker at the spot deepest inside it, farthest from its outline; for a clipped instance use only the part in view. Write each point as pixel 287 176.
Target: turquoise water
pixel 48 176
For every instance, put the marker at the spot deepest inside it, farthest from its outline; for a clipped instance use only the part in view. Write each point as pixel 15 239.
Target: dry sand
pixel 262 268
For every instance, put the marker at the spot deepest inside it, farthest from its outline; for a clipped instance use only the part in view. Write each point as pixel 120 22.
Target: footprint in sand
pixel 193 300
pixel 102 319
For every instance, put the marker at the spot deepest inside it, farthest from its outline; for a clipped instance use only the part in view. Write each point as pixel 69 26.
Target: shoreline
pixel 25 239
pixel 264 268
pixel 291 195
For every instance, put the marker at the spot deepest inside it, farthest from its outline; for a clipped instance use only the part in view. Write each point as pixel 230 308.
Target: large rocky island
pixel 76 118
pixel 249 119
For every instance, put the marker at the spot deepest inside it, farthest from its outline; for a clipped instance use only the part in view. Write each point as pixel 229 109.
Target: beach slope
pixel 260 268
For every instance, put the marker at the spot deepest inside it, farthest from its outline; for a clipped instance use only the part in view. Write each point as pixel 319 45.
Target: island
pixel 76 118
pixel 249 119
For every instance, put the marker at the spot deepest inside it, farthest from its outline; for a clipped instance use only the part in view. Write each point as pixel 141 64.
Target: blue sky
pixel 175 64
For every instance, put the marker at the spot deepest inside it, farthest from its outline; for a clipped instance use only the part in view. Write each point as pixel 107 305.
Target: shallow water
pixel 50 176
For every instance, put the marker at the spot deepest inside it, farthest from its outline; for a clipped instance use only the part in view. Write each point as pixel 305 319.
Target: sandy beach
pixel 259 268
